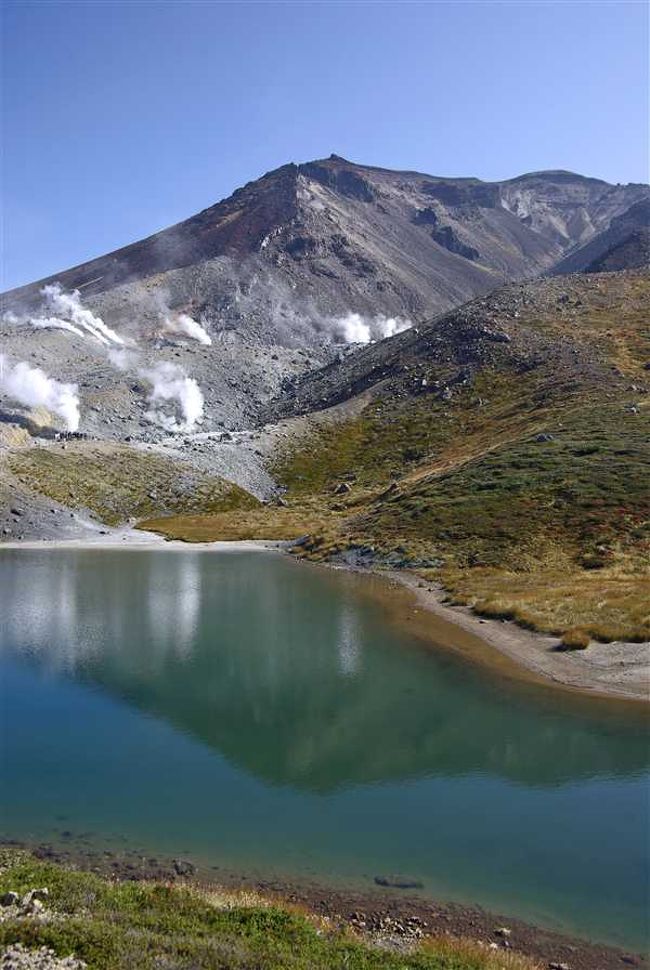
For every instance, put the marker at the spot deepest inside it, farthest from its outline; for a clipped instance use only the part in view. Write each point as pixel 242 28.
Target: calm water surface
pixel 272 718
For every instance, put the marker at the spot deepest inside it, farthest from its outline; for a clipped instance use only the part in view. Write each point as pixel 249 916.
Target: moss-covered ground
pixel 116 482
pixel 149 926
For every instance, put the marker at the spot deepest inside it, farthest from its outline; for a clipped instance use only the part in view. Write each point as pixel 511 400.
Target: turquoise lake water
pixel 272 718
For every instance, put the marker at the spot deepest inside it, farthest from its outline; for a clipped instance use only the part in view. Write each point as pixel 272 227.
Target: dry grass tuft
pixel 574 639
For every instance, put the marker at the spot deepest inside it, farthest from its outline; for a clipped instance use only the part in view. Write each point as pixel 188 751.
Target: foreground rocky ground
pixel 134 912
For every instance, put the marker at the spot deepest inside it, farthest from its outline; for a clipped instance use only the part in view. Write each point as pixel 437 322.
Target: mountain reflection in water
pixel 292 674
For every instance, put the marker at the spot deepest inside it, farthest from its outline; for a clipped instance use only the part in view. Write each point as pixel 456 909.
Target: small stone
pixel 183 868
pixel 35 906
pixel 503 931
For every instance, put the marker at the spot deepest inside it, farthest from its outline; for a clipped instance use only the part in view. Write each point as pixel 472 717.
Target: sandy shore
pixel 618 670
pixel 128 538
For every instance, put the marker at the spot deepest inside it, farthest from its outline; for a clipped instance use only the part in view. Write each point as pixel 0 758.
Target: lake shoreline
pixel 365 911
pixel 615 671
pixel 620 671
pixel 132 539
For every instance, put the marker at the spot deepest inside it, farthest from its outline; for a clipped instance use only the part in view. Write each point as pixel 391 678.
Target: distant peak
pixel 555 175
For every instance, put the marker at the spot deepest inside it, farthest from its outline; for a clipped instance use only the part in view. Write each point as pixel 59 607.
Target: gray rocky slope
pixel 270 272
pixel 343 237
pixel 626 233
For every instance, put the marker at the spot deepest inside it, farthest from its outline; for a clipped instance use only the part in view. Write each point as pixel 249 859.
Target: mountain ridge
pixel 238 225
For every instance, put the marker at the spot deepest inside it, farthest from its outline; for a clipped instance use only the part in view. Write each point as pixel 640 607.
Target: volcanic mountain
pixel 274 274
pixel 329 237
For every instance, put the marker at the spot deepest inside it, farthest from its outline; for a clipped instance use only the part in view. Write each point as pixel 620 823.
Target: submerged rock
pixel 183 868
pixel 398 882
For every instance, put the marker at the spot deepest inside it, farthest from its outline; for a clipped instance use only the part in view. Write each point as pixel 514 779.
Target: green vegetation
pixel 582 496
pixel 396 439
pixel 117 483
pixel 122 925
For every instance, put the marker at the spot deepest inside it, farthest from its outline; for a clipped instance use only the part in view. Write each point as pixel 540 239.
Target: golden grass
pixel 267 522
pixel 117 482
pixel 477 954
pixel 603 604
pixel 574 639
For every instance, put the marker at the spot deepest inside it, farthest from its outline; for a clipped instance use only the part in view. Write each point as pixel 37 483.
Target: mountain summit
pixel 331 237
pixel 234 304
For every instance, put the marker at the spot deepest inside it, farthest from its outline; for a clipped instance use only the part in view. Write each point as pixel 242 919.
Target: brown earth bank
pixel 397 918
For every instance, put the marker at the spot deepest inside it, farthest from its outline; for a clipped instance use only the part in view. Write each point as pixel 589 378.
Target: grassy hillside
pixel 516 471
pixel 117 483
pixel 120 926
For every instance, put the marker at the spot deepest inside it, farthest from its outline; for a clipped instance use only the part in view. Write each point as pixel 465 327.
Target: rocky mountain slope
pixel 347 237
pixel 251 293
pixel 626 235
pixel 632 253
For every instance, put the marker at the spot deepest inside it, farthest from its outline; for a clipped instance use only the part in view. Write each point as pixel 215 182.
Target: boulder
pixel 398 882
pixel 183 868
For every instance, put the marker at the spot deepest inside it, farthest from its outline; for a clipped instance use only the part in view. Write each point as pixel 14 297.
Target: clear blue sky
pixel 123 117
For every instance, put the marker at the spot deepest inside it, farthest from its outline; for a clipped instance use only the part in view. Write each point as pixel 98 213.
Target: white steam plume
pixel 171 388
pixel 67 313
pixel 121 358
pixel 185 325
pixel 355 329
pixel 32 387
